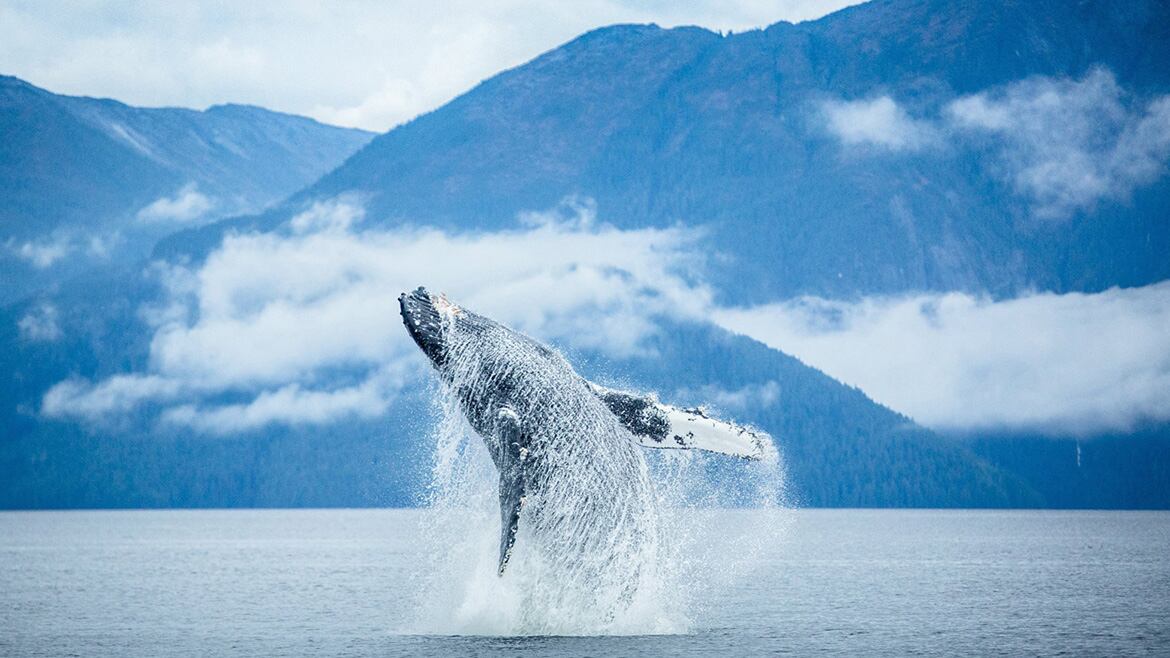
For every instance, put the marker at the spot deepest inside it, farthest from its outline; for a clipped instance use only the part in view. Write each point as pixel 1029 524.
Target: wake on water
pixel 626 547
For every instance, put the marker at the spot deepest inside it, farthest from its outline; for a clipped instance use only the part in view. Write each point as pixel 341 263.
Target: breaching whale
pixel 567 450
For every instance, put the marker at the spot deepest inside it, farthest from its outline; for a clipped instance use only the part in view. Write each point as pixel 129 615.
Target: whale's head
pixel 426 316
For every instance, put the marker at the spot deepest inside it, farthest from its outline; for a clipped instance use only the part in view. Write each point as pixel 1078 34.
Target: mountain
pixel 896 146
pixel 78 176
pixel 730 132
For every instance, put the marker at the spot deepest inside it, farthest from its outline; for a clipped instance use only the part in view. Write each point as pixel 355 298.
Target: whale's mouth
pixel 422 313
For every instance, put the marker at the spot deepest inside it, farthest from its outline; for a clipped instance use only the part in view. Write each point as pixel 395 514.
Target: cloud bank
pixel 1068 144
pixel 40 324
pixel 45 252
pixel 302 326
pixel 1063 145
pixel 879 122
pixel 274 318
pixel 1073 363
pixel 40 254
pixel 187 205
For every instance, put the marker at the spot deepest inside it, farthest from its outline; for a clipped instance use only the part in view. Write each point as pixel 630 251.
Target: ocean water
pixel 348 582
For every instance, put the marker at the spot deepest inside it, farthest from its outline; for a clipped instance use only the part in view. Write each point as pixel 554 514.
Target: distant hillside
pixel 78 176
pixel 731 132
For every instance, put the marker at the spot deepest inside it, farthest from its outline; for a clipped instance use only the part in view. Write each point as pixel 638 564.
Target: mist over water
pixel 614 540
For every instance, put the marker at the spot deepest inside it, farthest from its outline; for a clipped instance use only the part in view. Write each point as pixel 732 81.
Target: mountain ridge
pixel 76 174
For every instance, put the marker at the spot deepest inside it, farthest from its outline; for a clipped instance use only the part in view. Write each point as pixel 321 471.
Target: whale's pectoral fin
pixel 657 425
pixel 513 487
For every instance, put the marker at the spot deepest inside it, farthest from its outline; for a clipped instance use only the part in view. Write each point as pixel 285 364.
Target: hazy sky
pixel 365 63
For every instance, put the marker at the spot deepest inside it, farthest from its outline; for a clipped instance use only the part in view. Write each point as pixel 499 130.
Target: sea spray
pixel 611 537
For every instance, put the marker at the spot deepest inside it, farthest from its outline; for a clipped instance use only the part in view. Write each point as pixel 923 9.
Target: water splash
pixel 612 540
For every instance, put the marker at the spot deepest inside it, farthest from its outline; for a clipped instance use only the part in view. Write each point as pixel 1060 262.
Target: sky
pixel 362 63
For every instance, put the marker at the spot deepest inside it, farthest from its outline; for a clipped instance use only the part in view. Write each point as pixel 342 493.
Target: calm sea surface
pixel 334 582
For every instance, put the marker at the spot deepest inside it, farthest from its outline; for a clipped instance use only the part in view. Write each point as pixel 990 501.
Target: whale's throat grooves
pixel 589 521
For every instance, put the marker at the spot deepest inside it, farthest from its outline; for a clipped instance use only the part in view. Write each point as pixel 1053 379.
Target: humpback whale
pixel 568 451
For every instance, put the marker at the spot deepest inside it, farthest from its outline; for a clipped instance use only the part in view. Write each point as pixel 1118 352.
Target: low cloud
pixel 1068 144
pixel 40 324
pixel 187 205
pixel 1064 145
pixel 335 215
pixel 878 122
pixel 290 405
pixel 1073 363
pixel 102 246
pixel 46 252
pixel 118 394
pixel 274 316
pixel 42 254
pixel 752 396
